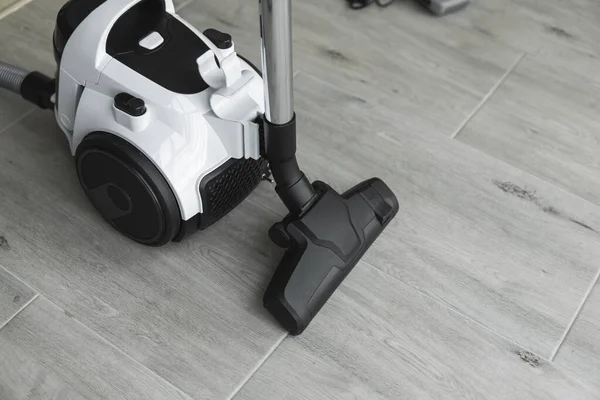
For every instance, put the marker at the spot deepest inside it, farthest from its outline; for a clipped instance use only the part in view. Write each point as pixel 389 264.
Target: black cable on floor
pixel 358 4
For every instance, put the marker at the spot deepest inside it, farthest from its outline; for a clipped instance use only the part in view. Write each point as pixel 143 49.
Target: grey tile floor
pixel 7 6
pixel 486 125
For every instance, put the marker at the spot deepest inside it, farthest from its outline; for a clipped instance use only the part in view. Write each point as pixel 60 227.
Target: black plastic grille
pixel 227 187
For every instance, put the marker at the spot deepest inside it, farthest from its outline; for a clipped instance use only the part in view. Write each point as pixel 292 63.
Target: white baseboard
pixel 13 7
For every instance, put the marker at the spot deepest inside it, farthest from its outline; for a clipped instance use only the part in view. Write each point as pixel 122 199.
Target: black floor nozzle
pixel 323 246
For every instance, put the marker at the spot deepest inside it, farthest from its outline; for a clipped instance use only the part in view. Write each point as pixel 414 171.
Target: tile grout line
pixel 13 7
pixel 143 367
pixel 18 279
pixel 183 5
pixel 529 174
pixel 442 304
pixel 505 162
pixel 24 306
pixel 257 367
pixel 576 315
pixel 456 311
pixel 16 122
pixel 488 96
pixel 554 186
pixel 342 89
pixel 93 332
pixel 104 340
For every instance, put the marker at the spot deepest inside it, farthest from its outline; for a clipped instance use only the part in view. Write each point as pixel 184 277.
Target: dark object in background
pixel 437 7
pixel 358 4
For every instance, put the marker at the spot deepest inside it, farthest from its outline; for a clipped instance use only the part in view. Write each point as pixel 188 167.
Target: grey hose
pixel 12 77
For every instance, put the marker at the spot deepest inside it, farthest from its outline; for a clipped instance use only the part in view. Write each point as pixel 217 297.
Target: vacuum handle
pixel 277 62
pixel 324 246
pixel 293 187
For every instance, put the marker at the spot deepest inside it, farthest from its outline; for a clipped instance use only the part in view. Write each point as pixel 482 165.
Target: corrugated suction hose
pixel 32 86
pixel 12 77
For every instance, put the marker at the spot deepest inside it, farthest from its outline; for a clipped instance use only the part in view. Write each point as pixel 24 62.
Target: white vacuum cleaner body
pixel 171 129
pixel 161 118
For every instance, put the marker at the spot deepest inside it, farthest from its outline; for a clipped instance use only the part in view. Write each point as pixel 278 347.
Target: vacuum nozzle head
pixel 323 246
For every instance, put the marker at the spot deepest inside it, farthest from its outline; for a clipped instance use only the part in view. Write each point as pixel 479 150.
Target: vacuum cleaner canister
pixel 171 129
pixel 163 146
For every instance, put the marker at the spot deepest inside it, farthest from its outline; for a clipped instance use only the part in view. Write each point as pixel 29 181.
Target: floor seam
pixel 93 331
pixel 485 99
pixel 575 316
pixel 528 173
pixel 341 89
pixel 5 12
pixel 17 121
pixel 462 143
pixel 126 355
pixel 18 279
pixel 445 305
pixel 24 306
pixel 183 5
pixel 257 367
pixel 456 311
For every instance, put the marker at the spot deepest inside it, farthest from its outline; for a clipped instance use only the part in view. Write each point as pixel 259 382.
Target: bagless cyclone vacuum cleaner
pixel 171 129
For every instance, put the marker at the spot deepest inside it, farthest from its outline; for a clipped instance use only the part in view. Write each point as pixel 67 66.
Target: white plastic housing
pixel 185 136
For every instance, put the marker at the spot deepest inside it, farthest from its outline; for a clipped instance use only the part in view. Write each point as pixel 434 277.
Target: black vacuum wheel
pixel 127 189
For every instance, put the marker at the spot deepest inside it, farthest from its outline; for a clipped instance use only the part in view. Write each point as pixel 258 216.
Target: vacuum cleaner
pixel 170 129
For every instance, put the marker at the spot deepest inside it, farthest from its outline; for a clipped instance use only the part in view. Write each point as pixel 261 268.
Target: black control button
pixel 130 104
pixel 221 40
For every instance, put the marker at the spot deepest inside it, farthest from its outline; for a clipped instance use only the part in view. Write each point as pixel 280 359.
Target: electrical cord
pixel 358 4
